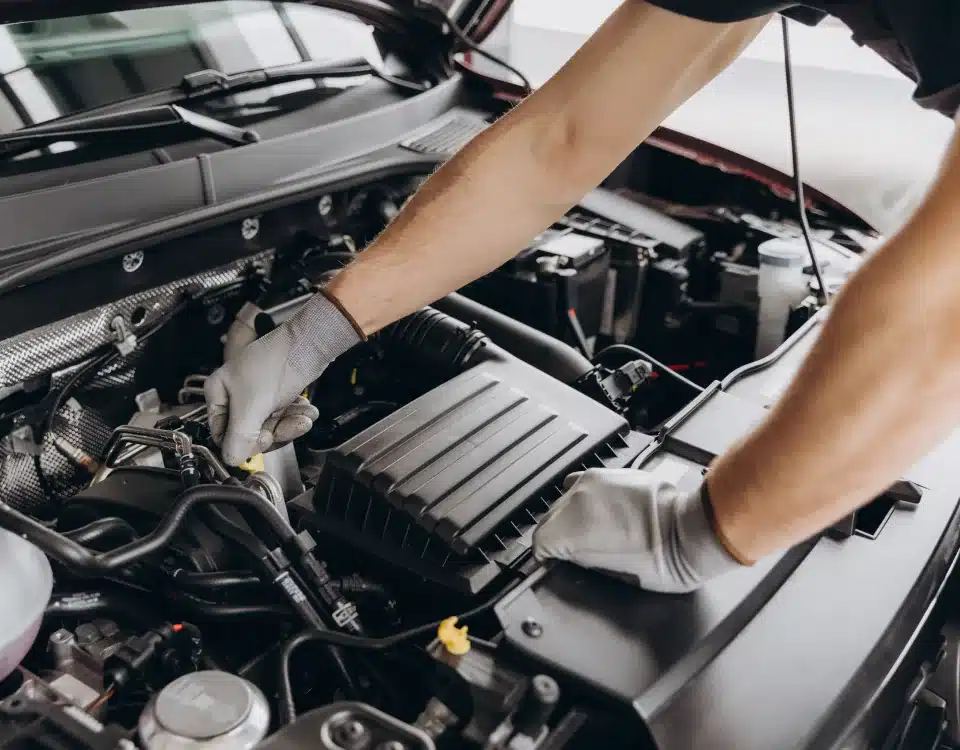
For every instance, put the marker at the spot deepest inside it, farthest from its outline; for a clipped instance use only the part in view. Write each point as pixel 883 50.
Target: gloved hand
pixel 242 332
pixel 629 524
pixel 252 401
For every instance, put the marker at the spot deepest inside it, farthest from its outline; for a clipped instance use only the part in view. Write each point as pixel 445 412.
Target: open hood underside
pixel 476 17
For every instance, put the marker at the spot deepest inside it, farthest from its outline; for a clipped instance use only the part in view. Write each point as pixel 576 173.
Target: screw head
pixel 132 261
pixel 350 734
pixel 325 205
pixel 250 228
pixel 216 315
pixel 531 628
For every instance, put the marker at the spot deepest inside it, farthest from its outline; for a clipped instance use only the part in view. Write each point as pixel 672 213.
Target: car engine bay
pixel 317 596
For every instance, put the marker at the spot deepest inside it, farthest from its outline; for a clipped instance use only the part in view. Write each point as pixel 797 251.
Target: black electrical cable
pixel 285 700
pixel 640 354
pixel 392 641
pixel 824 294
pixel 467 42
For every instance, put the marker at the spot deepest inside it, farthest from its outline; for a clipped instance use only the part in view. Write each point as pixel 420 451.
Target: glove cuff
pixel 319 333
pixel 711 515
pixel 343 311
pixel 702 548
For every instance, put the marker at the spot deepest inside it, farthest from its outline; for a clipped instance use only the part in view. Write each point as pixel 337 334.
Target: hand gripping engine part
pixel 461 504
pixel 26 583
pixel 205 710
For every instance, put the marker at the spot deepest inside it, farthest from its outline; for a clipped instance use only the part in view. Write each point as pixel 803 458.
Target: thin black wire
pixel 795 149
pixel 639 353
pixel 474 47
pixel 288 711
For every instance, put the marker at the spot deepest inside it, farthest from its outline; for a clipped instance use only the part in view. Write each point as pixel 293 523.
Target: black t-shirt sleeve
pixel 731 11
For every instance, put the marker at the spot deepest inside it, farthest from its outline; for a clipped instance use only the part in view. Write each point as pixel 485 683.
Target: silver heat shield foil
pixel 54 348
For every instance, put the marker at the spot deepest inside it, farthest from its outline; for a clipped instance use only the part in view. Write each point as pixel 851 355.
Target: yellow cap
pixel 453 638
pixel 254 464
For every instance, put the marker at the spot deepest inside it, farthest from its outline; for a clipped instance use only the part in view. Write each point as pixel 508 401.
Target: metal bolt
pixel 216 315
pixel 132 261
pixel 61 636
pixel 350 734
pixel 531 628
pixel 250 228
pixel 325 205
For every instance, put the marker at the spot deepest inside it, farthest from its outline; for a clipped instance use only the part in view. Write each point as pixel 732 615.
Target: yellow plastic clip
pixel 253 465
pixel 454 639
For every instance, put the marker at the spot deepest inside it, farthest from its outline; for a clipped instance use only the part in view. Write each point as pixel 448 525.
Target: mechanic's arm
pixel 535 163
pixel 878 391
pixel 476 212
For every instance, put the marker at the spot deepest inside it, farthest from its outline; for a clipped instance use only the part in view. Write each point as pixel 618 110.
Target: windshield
pixel 58 67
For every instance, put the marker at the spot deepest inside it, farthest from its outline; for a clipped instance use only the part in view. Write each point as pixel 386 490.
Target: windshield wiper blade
pixel 126 123
pixel 210 83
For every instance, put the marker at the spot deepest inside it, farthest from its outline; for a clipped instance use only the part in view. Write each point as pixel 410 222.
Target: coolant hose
pixel 534 347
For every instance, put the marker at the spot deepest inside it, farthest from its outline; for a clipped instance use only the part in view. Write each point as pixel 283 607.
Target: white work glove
pixel 242 331
pixel 254 402
pixel 629 524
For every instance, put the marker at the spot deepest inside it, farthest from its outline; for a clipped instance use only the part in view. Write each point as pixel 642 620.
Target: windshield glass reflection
pixel 58 67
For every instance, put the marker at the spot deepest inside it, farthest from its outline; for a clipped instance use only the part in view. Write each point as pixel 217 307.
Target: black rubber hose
pixel 103 601
pixel 534 347
pixel 436 339
pixel 220 582
pixel 82 561
pixel 204 610
pixel 103 529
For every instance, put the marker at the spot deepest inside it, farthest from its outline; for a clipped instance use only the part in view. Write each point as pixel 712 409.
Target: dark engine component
pixel 556 286
pixel 347 725
pixel 451 486
pixel 40 725
pixel 142 496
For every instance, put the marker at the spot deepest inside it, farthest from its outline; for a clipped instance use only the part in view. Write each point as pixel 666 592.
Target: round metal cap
pixel 783 253
pixel 204 705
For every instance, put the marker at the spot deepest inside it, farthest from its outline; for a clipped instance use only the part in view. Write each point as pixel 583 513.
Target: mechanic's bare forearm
pixel 515 179
pixel 877 392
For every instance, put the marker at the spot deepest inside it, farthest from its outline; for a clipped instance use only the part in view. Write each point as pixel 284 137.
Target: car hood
pixel 476 17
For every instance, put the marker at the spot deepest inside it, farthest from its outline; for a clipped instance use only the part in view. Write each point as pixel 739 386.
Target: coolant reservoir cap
pixel 785 253
pixel 207 709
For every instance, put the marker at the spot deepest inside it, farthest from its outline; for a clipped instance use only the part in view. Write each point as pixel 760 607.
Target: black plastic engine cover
pixel 816 647
pixel 452 485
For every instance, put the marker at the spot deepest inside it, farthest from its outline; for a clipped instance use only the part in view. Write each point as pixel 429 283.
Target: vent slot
pixel 869 520
pixel 447 137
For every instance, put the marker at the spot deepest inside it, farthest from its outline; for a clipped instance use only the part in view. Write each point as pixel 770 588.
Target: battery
pixel 555 285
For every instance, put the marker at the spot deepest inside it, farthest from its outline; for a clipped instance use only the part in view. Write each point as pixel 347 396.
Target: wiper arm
pixel 131 123
pixel 205 83
pixel 208 84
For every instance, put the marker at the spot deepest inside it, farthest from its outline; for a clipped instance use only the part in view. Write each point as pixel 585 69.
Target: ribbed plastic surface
pixel 453 484
pixel 446 137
